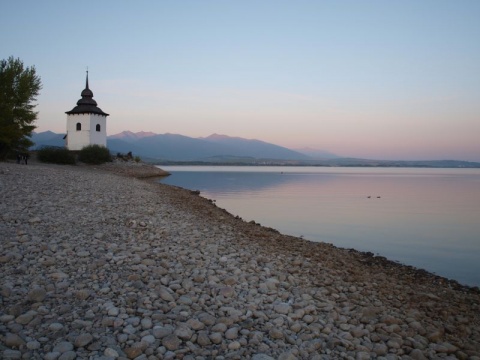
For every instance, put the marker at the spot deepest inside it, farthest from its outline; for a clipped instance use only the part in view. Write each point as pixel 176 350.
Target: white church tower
pixel 86 123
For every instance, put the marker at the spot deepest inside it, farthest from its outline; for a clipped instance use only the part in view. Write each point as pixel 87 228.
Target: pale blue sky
pixel 373 79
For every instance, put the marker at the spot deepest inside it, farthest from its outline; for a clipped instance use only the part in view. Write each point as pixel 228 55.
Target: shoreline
pixel 267 293
pixel 151 172
pixel 367 257
pixel 367 253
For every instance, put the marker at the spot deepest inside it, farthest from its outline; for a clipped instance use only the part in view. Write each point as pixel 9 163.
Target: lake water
pixel 428 218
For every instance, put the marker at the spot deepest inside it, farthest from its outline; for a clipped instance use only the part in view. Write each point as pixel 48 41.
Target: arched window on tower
pixel 97 127
pixel 79 126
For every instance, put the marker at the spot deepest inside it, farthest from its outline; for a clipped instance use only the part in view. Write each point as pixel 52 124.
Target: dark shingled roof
pixel 86 105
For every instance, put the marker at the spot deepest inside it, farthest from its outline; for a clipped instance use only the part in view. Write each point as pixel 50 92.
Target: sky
pixel 370 79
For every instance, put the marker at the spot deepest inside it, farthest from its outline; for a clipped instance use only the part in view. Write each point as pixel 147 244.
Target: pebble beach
pixel 102 262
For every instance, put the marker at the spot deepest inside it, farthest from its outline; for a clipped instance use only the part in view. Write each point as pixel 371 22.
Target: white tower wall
pixel 88 134
pixel 98 136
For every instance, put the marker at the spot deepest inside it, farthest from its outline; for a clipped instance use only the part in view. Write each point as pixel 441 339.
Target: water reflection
pixel 423 217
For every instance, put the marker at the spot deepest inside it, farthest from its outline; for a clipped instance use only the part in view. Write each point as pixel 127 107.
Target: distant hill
pixel 47 138
pixel 131 137
pixel 355 162
pixel 317 154
pixel 254 148
pixel 223 149
pixel 174 147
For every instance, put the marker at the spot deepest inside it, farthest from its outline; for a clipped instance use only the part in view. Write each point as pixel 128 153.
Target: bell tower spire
pixel 86 122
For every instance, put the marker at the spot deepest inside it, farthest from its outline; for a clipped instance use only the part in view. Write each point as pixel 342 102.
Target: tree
pixel 19 87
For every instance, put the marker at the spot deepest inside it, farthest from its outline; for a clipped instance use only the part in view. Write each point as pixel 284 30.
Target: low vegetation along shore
pixel 96 263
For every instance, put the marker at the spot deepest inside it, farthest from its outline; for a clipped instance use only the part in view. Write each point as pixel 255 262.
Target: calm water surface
pixel 428 218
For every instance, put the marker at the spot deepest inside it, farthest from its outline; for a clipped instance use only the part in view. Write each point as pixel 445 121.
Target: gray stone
pixel 394 343
pixel 129 329
pixel 234 345
pixel 122 338
pixel 160 331
pixel 226 291
pixel 203 339
pixel 113 311
pixel 296 327
pixel 272 283
pixel 220 327
pixel 63 346
pixel 216 337
pixel 133 351
pixel 262 357
pixel 13 340
pixel 33 345
pixel 276 333
pixel 83 294
pixel 283 308
pixel 5 291
pixel 55 327
pixel 195 324
pixel 111 353
pixel 24 319
pixel 380 349
pixel 53 355
pixel 231 333
pixel 146 323
pixel 207 319
pixel 68 355
pixel 11 354
pixel 308 319
pixel 417 354
pixel 83 340
pixel 149 339
pixel 171 342
pixel 6 318
pixel 37 294
pixel 165 294
pixel 362 355
pixel 185 300
pixel 83 253
pixel 287 356
pixel 183 332
pixel 435 336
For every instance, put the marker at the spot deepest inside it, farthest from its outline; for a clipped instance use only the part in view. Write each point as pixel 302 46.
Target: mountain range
pixel 223 149
pixel 174 147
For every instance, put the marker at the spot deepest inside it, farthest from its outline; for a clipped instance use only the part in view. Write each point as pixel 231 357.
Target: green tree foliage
pixel 55 155
pixel 94 154
pixel 19 87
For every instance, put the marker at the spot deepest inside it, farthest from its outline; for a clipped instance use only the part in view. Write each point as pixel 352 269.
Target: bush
pixel 55 155
pixel 94 154
pixel 125 157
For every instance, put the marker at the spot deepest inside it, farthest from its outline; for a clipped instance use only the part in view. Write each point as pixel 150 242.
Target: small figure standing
pixel 19 157
pixel 25 158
